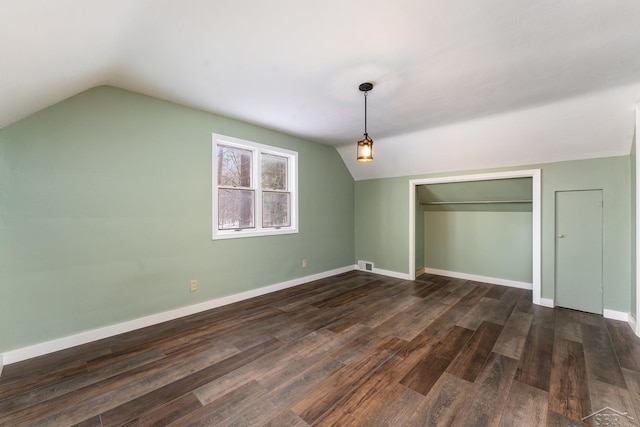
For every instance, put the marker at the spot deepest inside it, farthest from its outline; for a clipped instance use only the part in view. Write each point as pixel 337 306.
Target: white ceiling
pixel 506 82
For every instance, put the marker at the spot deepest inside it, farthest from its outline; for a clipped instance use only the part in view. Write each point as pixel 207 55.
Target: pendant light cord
pixel 365 113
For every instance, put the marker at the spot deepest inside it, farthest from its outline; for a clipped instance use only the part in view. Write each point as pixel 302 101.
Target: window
pixel 254 189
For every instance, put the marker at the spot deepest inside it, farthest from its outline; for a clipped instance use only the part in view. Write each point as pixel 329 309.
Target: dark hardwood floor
pixel 353 349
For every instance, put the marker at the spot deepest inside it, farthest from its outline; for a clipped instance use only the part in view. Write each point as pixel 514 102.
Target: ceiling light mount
pixel 365 145
pixel 365 87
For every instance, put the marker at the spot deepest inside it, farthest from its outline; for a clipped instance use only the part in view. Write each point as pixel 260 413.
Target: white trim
pixel 616 315
pixel 40 349
pixel 637 195
pixel 536 211
pixel 390 273
pixel 478 278
pixel 547 302
pixel 421 272
pixel 257 150
pixel 606 313
pixel 382 272
pixel 1 363
pixel 632 322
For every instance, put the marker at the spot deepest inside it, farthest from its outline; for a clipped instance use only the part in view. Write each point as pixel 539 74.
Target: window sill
pixel 222 235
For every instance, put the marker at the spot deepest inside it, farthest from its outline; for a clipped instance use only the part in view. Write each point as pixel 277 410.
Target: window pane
pixel 235 209
pixel 234 166
pixel 275 209
pixel 274 172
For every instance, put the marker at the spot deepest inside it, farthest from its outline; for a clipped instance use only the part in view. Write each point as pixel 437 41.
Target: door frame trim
pixel 534 174
pixel 555 244
pixel 636 323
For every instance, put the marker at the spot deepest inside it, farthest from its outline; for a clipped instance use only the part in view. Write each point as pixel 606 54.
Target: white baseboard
pixel 477 278
pixel 615 315
pixel 634 324
pixel 40 349
pixel 1 363
pixel 387 273
pixel 390 273
pixel 547 302
pixel 421 272
pixel 606 313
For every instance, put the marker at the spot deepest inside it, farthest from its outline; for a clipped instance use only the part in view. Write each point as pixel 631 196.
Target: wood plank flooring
pixel 353 349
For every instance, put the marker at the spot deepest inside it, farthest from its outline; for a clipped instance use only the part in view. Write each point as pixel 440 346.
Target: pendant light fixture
pixel 365 145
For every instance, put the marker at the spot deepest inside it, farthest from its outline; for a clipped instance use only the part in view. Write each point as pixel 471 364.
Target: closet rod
pixel 476 202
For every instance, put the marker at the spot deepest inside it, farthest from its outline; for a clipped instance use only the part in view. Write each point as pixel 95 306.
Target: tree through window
pixel 254 189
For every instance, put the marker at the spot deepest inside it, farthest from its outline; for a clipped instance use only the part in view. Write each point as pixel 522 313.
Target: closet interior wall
pixel 480 228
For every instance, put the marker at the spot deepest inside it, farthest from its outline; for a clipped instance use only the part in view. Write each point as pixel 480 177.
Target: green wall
pixel 612 175
pixel 105 215
pixel 494 244
pixel 381 223
pixel 382 220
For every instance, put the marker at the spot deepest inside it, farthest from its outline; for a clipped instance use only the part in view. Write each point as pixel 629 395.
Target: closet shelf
pixel 476 202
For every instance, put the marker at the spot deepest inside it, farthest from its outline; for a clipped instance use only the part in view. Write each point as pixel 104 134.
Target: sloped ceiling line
pixel 455 81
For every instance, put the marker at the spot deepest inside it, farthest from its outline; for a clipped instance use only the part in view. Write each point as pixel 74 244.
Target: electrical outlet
pixel 304 263
pixel 193 285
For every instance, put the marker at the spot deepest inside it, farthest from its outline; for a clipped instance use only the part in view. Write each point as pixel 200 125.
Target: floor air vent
pixel 365 265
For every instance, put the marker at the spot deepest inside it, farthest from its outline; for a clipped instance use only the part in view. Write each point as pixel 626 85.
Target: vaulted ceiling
pixel 459 84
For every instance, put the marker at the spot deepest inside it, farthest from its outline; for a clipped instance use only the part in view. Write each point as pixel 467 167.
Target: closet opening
pixel 486 225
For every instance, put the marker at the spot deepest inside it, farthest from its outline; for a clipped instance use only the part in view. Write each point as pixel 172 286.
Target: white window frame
pixel 256 151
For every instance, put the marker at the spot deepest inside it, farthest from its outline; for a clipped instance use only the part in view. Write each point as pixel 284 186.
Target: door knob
pixel 560 236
